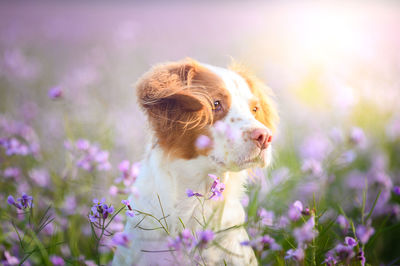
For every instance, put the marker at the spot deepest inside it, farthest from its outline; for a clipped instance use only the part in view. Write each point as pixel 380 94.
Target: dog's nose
pixel 262 137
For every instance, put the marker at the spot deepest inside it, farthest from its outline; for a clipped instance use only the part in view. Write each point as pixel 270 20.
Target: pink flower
pixel 11 260
pixel 55 93
pixel 203 142
pixel 40 176
pixel 267 217
pixel 129 172
pixel 224 129
pixel 245 200
pixel 88 156
pixel 57 261
pixel 113 191
pixel 357 136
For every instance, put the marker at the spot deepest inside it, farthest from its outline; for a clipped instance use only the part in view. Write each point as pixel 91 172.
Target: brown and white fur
pixel 182 101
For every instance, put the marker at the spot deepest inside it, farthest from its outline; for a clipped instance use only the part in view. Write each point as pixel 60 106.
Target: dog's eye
pixel 255 109
pixel 217 105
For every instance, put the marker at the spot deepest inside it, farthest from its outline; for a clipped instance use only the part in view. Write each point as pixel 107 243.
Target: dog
pixel 235 116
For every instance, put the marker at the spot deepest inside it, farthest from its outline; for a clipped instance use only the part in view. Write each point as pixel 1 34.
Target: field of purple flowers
pixel 71 134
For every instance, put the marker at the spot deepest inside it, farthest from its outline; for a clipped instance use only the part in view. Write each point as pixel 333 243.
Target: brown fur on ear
pixel 166 93
pixel 177 99
pixel 268 115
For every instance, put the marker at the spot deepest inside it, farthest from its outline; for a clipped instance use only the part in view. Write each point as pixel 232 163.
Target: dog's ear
pixel 268 115
pixel 168 85
pixel 170 94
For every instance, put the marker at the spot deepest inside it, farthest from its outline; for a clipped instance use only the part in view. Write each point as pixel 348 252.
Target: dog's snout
pixel 261 137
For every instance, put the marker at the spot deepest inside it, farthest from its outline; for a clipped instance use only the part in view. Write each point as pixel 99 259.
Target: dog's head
pixel 195 110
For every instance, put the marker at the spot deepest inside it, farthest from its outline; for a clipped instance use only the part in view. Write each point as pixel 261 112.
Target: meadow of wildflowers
pixel 72 136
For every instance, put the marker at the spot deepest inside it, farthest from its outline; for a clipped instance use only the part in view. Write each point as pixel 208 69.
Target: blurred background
pixel 67 71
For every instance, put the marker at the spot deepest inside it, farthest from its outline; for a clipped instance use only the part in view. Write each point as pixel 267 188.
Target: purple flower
pixel 94 217
pixel 21 203
pixel 70 205
pixel 57 261
pixel 25 200
pixel 88 156
pixel 336 135
pixel 113 190
pixel 101 159
pixel 174 243
pixel 312 167
pixel 187 237
pixel 107 210
pixel 12 172
pixel 190 193
pixel 262 242
pixel 344 252
pixel 204 238
pixel 306 233
pixel 18 138
pixel 364 232
pixel 203 142
pixel 351 242
pixel 55 93
pixel 283 222
pixel 393 128
pixel 294 212
pixel 357 136
pixel 245 200
pixel 253 231
pixel 267 217
pixel 346 158
pixel 10 260
pixel 13 146
pixel 295 254
pixel 361 257
pixel 216 188
pixel 383 180
pixel 100 210
pixel 11 201
pixel 128 173
pixel 343 223
pixel 221 127
pixel 82 144
pixel 121 239
pixel 306 211
pixel 184 240
pixel 396 190
pixel 40 176
pixel 130 211
pixel 330 259
pixel 315 146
